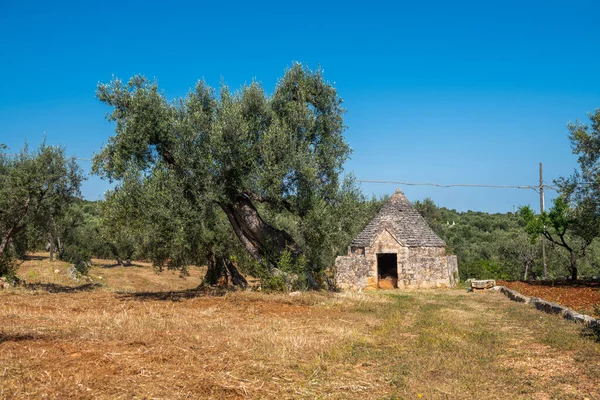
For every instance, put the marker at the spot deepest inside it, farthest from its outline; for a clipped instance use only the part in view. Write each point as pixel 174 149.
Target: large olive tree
pixel 245 154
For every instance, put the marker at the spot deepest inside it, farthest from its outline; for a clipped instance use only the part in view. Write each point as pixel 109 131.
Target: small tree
pixel 429 210
pixel 121 224
pixel 518 251
pixel 572 227
pixel 34 188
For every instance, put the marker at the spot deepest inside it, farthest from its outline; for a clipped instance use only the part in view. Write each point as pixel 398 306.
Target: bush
pixel 79 257
pixel 7 266
pixel 292 274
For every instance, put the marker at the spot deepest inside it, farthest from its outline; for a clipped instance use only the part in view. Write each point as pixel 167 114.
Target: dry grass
pixel 138 277
pixel 110 343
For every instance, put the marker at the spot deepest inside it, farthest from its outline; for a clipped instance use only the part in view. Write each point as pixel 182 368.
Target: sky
pixel 475 92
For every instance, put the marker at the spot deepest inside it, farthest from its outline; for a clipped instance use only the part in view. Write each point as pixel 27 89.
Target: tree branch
pixel 269 200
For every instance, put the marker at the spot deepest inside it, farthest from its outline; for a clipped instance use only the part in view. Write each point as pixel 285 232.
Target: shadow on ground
pixel 54 288
pixel 17 337
pixel 176 295
pixel 115 265
pixel 31 257
pixel 591 333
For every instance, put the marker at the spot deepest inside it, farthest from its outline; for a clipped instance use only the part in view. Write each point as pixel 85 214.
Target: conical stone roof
pixel 403 221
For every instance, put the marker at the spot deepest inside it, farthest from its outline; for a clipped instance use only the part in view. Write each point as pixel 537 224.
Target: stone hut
pixel 397 249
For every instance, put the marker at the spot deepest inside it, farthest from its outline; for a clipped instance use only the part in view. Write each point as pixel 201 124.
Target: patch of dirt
pixel 581 296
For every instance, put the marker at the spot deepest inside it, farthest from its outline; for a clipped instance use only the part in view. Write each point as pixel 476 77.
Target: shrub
pixel 292 274
pixel 7 266
pixel 79 257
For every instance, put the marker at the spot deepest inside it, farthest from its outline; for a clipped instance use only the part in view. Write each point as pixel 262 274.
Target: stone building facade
pixel 397 249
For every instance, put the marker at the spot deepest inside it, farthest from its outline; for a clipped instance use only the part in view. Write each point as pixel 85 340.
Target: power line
pixel 474 185
pixel 535 188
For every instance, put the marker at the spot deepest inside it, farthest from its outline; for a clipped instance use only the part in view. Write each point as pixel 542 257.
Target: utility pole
pixel 541 211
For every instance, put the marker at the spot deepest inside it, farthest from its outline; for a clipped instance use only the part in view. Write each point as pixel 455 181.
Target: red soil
pixel 581 296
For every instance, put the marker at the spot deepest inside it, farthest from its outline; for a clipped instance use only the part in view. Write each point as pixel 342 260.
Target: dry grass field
pixel 134 334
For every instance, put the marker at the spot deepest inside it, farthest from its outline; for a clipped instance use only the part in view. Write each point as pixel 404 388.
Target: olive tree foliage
pixel 148 216
pixel 74 236
pixel 245 155
pixel 121 226
pixel 517 252
pixel 573 222
pixel 35 189
pixel 571 226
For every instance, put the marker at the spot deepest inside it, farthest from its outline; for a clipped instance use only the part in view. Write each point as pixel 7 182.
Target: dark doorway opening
pixel 387 271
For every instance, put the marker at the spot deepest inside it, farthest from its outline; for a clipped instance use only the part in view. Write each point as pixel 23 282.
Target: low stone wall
pixel 550 308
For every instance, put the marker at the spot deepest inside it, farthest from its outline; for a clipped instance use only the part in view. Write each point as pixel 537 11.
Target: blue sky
pixel 436 91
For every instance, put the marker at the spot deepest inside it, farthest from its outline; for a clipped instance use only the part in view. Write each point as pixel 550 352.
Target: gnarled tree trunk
pixel 263 241
pixel 220 268
pixel 237 279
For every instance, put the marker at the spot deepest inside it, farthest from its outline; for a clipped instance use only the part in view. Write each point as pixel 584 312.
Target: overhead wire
pixel 440 185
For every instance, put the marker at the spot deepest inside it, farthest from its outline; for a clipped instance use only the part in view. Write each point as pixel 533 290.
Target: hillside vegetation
pixel 497 246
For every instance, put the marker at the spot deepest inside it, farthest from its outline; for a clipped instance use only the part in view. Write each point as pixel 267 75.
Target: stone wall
pixel 550 308
pixel 426 267
pixel 353 272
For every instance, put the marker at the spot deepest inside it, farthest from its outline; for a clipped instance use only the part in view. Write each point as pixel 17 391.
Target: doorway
pixel 387 271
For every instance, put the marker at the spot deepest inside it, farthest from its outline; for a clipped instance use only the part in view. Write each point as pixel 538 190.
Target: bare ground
pixel 143 335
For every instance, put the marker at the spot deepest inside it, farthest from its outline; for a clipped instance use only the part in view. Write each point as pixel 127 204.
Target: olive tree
pixel 35 188
pixel 242 154
pixel 571 226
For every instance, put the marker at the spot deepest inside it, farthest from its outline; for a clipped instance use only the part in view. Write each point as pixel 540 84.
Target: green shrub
pixel 7 266
pixel 293 274
pixel 79 257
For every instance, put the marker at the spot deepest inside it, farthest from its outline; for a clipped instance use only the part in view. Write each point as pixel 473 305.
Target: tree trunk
pixel 573 266
pixel 60 248
pixel 51 245
pixel 128 262
pixel 14 228
pixel 237 279
pixel 219 268
pixel 214 271
pixel 263 241
pixel 526 270
pixel 4 244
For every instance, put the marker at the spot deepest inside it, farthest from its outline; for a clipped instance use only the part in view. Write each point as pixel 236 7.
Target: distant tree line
pixel 498 246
